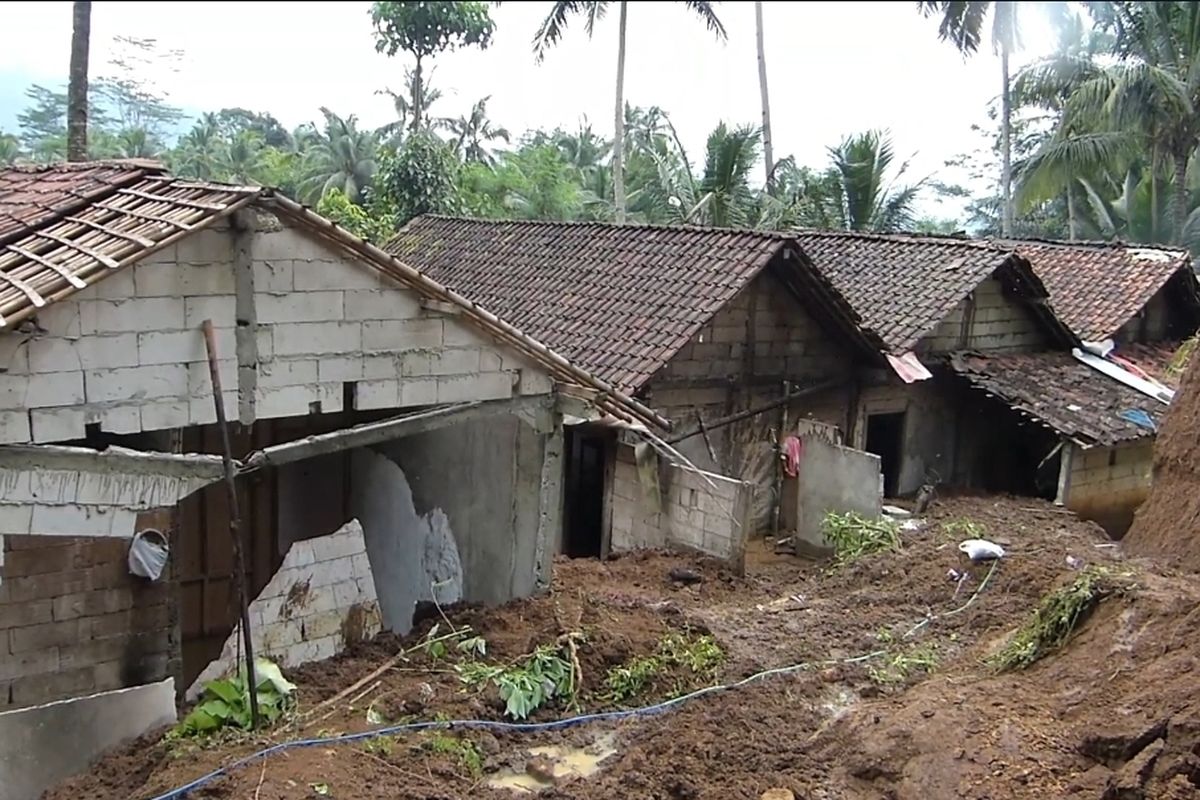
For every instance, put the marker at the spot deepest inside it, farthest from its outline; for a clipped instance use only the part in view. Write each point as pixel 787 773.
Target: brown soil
pixel 1115 715
pixel 1168 524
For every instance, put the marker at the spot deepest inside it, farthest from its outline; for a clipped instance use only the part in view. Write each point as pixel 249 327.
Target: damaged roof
pixel 65 226
pixel 619 300
pixel 1061 393
pixel 1096 287
pixel 903 285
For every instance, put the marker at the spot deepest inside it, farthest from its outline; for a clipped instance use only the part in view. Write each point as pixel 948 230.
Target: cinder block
pixel 205 247
pixel 299 307
pixel 534 381
pixel 14 427
pixel 15 519
pixel 460 334
pixel 328 548
pixel 360 564
pixel 221 309
pixel 138 314
pixel 273 276
pixel 163 415
pixel 19 615
pixel 91 352
pixel 287 372
pixel 377 394
pixel 340 368
pixel 47 390
pixel 326 646
pixel 137 383
pixel 327 573
pixel 317 338
pixel 484 386
pixel 62 320
pixel 43 637
pixel 455 362
pixel 381 366
pixel 35 662
pixel 397 335
pixel 184 347
pixel 90 604
pixel 200 377
pixel 183 280
pixel 284 401
pixel 112 285
pixel 118 419
pixel 264 342
pixel 309 276
pixel 382 304
pixel 419 392
pixel 57 424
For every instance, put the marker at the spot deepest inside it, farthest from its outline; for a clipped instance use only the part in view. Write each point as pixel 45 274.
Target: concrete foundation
pixel 43 745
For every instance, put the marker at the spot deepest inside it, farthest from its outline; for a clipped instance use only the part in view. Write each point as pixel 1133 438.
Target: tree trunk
pixel 768 153
pixel 1072 219
pixel 77 87
pixel 619 124
pixel 418 96
pixel 1006 213
pixel 1181 196
pixel 1153 202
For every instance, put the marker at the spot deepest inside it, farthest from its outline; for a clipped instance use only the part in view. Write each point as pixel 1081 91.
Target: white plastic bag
pixel 981 549
pixel 148 554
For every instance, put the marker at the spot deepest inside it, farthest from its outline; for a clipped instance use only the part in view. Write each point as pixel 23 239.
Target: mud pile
pixel 1167 525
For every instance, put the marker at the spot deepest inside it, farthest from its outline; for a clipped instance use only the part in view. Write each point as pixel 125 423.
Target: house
pixel 392 440
pixel 1077 435
pixel 728 334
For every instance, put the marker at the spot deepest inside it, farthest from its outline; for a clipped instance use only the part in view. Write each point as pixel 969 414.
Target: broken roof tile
pixel 1062 393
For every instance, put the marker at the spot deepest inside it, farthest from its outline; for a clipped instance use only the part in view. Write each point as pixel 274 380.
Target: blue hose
pixel 559 724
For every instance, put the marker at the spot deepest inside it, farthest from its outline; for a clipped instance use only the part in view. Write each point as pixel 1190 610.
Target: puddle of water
pixel 566 762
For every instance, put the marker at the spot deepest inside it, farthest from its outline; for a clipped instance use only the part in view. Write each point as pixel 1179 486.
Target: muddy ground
pixel 885 707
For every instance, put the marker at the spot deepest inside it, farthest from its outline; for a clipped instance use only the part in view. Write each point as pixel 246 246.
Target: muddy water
pixel 565 763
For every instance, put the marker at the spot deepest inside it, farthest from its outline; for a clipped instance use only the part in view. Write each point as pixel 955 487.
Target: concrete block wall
pixel 1108 484
pixel 73 620
pixel 128 353
pixel 321 600
pixel 763 332
pixel 998 323
pixel 705 513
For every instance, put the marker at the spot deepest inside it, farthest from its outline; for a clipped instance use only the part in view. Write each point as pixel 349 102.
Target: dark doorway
pixel 885 437
pixel 586 465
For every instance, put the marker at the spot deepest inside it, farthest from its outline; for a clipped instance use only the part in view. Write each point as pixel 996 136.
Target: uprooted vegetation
pixel 853 536
pixel 1057 616
pixel 896 698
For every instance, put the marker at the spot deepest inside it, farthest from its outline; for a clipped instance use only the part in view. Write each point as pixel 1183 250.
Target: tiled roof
pixel 1061 393
pixel 619 300
pixel 1097 287
pixel 903 285
pixel 65 227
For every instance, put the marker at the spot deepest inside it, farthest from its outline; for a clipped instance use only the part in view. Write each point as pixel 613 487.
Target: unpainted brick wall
pixel 73 620
pixel 321 599
pixel 128 352
pixel 998 324
pixel 707 516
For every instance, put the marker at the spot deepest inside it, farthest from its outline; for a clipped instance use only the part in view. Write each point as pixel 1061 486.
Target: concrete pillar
pixel 550 501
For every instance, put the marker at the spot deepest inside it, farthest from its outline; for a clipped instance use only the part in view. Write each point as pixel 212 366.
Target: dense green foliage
pixel 1102 137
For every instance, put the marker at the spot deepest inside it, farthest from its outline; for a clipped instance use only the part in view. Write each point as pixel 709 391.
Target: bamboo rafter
pixel 69 254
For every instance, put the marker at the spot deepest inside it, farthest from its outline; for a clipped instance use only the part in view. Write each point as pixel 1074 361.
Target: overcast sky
pixel 834 68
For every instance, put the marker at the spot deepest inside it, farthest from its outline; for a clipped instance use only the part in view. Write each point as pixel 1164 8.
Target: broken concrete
pixel 42 745
pixel 832 477
pixel 322 599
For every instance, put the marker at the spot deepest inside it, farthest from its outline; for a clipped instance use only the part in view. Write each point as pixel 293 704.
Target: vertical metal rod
pixel 235 524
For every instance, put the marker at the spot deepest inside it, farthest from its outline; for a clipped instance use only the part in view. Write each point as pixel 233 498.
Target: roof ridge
pixel 1095 244
pixel 131 164
pixel 589 223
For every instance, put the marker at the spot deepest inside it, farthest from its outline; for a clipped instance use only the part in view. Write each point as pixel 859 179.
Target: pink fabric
pixel 792 447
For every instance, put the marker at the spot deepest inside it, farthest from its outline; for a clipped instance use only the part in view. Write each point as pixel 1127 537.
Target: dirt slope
pixel 1113 716
pixel 1168 524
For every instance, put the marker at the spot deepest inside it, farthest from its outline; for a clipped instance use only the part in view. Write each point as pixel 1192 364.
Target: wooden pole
pixel 239 562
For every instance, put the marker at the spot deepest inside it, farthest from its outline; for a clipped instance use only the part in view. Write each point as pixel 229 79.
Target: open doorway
pixel 588 449
pixel 885 437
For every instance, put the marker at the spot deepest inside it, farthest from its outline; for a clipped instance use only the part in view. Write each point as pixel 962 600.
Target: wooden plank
pixel 25 289
pixel 158 198
pixel 129 237
pixel 129 212
pixel 58 269
pixel 106 260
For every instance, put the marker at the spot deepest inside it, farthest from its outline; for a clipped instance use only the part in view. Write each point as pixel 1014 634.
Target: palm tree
pixel 869 201
pixel 405 105
pixel 552 30
pixel 768 154
pixel 10 149
pixel 474 131
pixel 962 24
pixel 77 87
pixel 341 156
pixel 202 151
pixel 244 160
